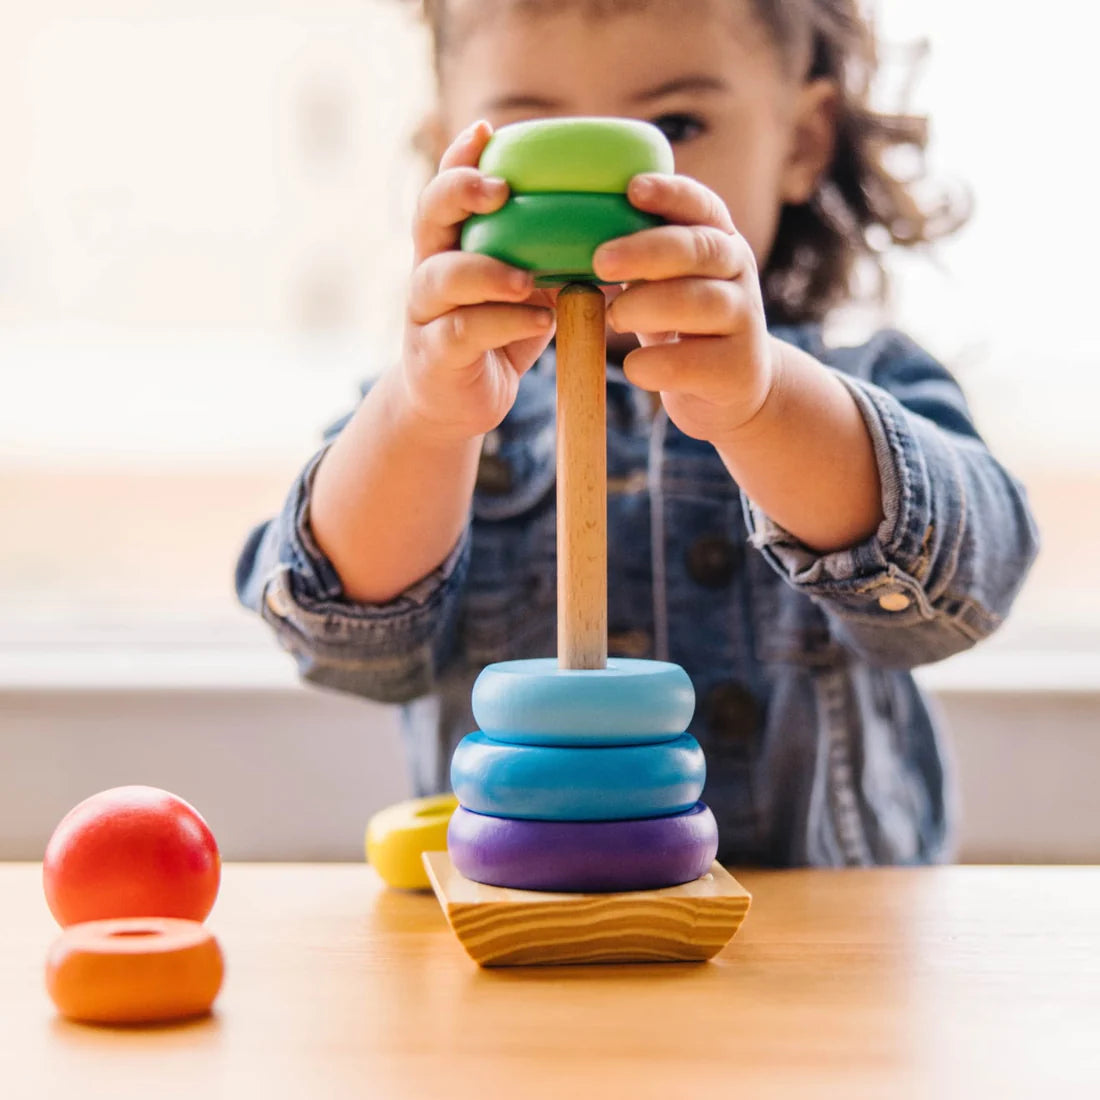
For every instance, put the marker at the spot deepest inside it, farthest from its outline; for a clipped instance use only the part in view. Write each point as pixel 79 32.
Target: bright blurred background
pixel 203 245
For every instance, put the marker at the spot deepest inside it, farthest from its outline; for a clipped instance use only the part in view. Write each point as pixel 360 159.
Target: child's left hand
pixel 693 299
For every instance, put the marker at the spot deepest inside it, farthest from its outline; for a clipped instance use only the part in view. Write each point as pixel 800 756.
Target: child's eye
pixel 679 127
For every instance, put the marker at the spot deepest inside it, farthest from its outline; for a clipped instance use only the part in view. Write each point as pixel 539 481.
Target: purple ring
pixel 584 857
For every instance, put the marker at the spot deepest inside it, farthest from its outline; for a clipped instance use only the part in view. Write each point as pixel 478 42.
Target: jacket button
pixel 893 601
pixel 732 712
pixel 278 601
pixel 711 560
pixel 494 475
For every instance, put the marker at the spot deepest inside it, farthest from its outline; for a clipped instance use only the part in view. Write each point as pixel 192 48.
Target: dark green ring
pixel 554 234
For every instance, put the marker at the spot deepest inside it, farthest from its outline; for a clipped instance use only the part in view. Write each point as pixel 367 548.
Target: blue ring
pixel 631 702
pixel 566 783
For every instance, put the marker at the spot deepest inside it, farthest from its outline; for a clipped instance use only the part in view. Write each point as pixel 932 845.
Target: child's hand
pixel 694 302
pixel 474 324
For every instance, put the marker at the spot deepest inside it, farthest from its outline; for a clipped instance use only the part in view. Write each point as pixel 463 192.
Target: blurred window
pixel 203 243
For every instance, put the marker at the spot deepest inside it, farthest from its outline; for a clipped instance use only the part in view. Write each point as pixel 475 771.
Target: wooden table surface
pixel 945 982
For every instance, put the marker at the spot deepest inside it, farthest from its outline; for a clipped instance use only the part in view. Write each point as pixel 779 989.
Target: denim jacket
pixel 820 748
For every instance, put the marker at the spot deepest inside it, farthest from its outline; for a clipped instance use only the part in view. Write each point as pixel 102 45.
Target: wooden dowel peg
pixel 582 477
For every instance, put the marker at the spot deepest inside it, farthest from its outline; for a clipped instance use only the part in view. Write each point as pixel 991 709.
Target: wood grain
pixel 906 984
pixel 582 477
pixel 497 927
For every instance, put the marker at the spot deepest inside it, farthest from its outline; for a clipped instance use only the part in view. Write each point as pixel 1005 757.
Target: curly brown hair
pixel 861 206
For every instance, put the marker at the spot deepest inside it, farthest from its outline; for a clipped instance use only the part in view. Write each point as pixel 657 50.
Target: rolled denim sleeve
pixel 389 652
pixel 957 536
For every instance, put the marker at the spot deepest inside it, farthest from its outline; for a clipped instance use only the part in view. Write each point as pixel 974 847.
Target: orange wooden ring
pixel 134 970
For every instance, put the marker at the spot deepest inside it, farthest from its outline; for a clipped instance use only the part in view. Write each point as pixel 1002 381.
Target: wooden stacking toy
pixel 579 836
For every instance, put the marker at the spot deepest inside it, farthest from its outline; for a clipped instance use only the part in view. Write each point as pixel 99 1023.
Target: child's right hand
pixel 474 325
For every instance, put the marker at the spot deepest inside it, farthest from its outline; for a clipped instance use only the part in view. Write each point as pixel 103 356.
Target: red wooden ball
pixel 131 852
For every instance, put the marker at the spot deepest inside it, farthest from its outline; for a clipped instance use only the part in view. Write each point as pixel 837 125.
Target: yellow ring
pixel 397 835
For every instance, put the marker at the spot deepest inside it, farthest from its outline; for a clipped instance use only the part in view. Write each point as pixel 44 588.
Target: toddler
pixel 797 525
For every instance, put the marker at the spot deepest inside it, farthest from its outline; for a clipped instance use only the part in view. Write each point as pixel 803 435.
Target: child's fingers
pixel 705 307
pixel 699 365
pixel 679 199
pixel 462 336
pixel 456 192
pixel 673 252
pixel 451 279
pixel 447 201
pixel 467 146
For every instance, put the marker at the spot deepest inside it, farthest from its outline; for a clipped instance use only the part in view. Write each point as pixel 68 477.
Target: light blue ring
pixel 631 702
pixel 564 783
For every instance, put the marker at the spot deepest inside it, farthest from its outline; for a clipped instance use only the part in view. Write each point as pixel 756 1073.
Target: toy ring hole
pixel 130 932
pixel 434 812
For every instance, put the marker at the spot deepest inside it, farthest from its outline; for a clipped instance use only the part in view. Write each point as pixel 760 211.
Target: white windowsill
pixel 248 669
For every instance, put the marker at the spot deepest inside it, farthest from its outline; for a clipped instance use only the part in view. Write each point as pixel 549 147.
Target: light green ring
pixel 575 154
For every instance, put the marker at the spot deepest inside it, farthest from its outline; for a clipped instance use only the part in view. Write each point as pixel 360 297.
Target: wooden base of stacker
pixel 499 927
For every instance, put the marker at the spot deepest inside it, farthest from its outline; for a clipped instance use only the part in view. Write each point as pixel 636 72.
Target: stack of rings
pixel 578 780
pixel 581 780
pixel 568 179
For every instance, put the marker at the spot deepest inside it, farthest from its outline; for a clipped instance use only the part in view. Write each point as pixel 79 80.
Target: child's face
pixel 704 71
